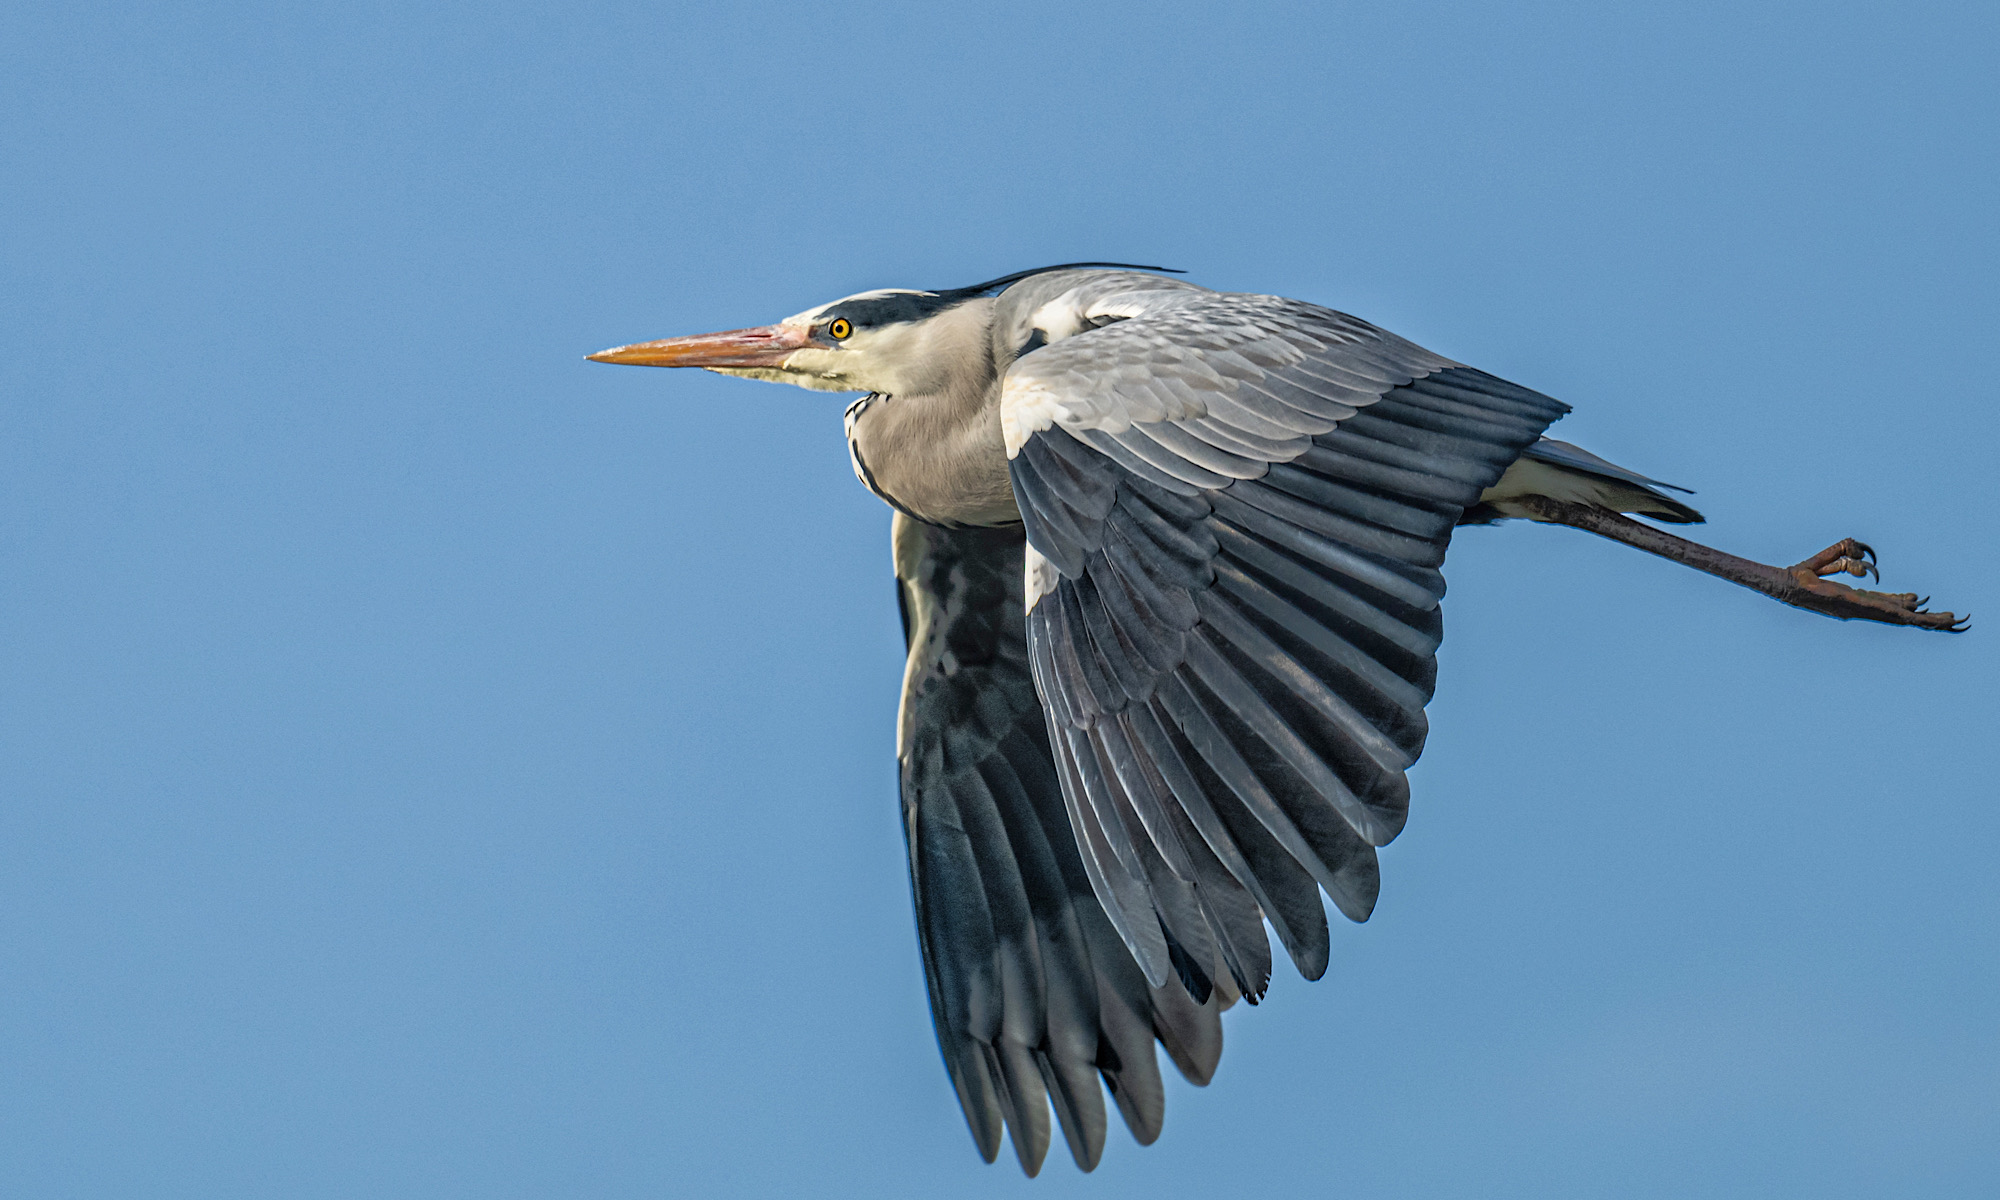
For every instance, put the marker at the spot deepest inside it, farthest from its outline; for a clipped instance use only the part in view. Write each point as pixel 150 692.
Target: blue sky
pixel 432 765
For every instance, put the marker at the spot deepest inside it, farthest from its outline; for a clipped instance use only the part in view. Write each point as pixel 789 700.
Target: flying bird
pixel 1167 561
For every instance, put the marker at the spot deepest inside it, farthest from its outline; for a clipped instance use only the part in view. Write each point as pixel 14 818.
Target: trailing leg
pixel 1803 585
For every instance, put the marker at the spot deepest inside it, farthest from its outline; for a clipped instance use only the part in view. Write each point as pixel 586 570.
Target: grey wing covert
pixel 1243 503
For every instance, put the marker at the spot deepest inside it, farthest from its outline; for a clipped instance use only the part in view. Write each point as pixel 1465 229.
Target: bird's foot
pixel 1850 557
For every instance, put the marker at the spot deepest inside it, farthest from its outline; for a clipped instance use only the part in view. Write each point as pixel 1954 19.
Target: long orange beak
pixel 763 346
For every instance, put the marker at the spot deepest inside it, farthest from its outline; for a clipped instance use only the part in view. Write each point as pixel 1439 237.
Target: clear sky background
pixel 435 766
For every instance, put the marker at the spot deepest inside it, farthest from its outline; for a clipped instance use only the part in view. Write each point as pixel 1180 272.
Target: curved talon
pixel 1867 551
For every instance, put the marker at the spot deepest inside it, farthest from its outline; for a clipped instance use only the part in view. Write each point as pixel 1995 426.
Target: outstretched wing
pixel 1033 994
pixel 1236 508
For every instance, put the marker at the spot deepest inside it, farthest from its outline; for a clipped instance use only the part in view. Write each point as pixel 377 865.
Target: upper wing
pixel 1236 507
pixel 1032 992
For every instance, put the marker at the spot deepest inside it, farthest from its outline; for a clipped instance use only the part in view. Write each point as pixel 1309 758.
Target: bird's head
pixel 894 341
pixel 882 341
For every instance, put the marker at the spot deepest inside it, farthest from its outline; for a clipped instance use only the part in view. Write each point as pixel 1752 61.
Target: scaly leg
pixel 1803 586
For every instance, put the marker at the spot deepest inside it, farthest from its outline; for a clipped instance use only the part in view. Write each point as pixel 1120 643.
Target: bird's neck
pixel 936 453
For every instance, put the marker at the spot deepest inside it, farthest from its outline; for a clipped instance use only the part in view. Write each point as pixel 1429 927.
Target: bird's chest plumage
pixel 931 459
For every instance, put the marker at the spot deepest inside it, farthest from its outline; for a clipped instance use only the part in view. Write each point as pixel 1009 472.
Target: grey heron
pixel 1168 567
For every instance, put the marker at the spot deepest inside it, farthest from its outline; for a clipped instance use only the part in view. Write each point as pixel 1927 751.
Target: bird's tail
pixel 1561 471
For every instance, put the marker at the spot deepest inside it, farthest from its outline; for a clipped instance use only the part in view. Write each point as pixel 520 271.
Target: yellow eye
pixel 840 330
